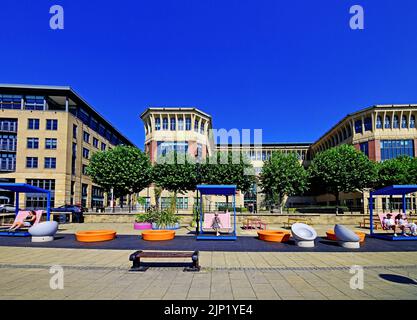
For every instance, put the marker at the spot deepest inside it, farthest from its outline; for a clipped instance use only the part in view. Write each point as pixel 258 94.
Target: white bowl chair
pixel 304 235
pixel 44 231
pixel 347 238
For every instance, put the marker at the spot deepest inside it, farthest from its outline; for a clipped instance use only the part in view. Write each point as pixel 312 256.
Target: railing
pixel 8 146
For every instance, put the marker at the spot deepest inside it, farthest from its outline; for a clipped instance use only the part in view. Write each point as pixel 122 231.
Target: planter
pixel 169 227
pixel 274 236
pixel 142 225
pixel 158 235
pixel 95 235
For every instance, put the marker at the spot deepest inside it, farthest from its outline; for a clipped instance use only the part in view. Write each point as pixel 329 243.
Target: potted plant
pixel 144 221
pixel 166 220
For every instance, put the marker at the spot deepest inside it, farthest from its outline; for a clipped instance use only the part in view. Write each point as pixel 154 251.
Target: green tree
pixel 124 169
pixel 342 169
pixel 228 168
pixel 175 172
pixel 283 175
pixel 400 170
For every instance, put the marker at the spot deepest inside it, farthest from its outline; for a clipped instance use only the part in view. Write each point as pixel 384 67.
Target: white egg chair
pixel 44 231
pixel 303 234
pixel 347 238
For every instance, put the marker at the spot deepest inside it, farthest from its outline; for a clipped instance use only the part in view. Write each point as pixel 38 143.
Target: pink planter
pixel 142 225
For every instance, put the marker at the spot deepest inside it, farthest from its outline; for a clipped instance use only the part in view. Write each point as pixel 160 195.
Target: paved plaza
pixel 103 274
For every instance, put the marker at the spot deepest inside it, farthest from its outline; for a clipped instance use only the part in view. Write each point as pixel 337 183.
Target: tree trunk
pixel 130 202
pixel 227 203
pixel 337 202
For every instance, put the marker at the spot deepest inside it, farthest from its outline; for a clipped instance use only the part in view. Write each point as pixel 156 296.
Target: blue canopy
pixel 395 190
pixel 217 189
pixel 22 187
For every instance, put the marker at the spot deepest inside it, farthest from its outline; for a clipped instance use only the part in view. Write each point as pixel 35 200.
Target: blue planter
pixel 171 227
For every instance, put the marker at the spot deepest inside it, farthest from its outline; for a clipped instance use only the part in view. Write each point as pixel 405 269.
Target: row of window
pixel 8 125
pixel 86 138
pixel 173 125
pixel 391 149
pixel 182 202
pixel 33 143
pixel 32 162
pixel 51 124
pixel 8 101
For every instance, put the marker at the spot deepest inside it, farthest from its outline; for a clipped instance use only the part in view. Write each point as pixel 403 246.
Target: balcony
pixel 7 167
pixel 8 127
pixel 8 147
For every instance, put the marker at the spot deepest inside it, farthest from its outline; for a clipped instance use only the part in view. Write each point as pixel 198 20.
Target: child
pixel 389 223
pixel 403 224
pixel 216 224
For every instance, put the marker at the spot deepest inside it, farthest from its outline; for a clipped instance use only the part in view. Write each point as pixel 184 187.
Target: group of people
pixel 400 222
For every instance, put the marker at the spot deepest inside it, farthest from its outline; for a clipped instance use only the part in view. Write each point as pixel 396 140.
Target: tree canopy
pixel 283 175
pixel 126 169
pixel 175 172
pixel 228 168
pixel 400 170
pixel 342 169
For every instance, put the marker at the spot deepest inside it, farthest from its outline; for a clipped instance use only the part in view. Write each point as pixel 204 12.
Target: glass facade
pixel 164 148
pixel 8 101
pixel 393 148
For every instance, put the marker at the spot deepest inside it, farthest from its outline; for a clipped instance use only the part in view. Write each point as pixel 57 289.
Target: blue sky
pixel 292 68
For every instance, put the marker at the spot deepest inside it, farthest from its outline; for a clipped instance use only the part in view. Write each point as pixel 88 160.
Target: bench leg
pixel 195 263
pixel 135 258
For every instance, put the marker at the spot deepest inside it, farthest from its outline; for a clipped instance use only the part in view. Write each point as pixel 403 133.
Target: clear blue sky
pixel 293 68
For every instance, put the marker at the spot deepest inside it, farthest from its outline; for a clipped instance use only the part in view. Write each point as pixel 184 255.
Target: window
pixel 182 202
pixel 83 116
pixel 86 153
pixel 97 197
pixel 34 103
pixel 378 122
pixel 387 123
pixel 368 124
pixel 395 123
pixel 394 148
pixel 412 121
pixel 74 158
pixel 173 124
pixel 165 124
pixel 51 124
pixel 188 124
pixel 7 162
pixel 31 162
pixel 32 143
pixel 50 143
pixel 358 126
pixel 10 101
pixel 95 142
pixel 74 131
pixel 404 122
pixel 33 124
pixel 8 125
pixel 202 127
pixel 84 194
pixel 103 146
pixel 196 125
pixel 163 148
pixel 157 124
pixel 86 137
pixel 199 151
pixel 50 163
pixel 38 200
pixel 84 168
pixel 180 124
pixel 8 142
pixel 364 148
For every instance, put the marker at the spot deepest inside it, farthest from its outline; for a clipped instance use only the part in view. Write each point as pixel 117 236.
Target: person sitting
pixel 28 220
pixel 389 223
pixel 216 224
pixel 404 224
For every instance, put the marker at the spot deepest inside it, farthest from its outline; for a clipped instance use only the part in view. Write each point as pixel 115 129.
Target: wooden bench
pixel 253 223
pixel 291 221
pixel 136 256
pixel 366 223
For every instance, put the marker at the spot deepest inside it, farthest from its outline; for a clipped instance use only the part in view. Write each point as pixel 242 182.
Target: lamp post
pixel 198 175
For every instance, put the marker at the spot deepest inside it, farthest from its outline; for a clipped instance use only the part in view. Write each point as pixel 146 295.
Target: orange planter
pixel 331 236
pixel 274 236
pixel 158 235
pixel 95 235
